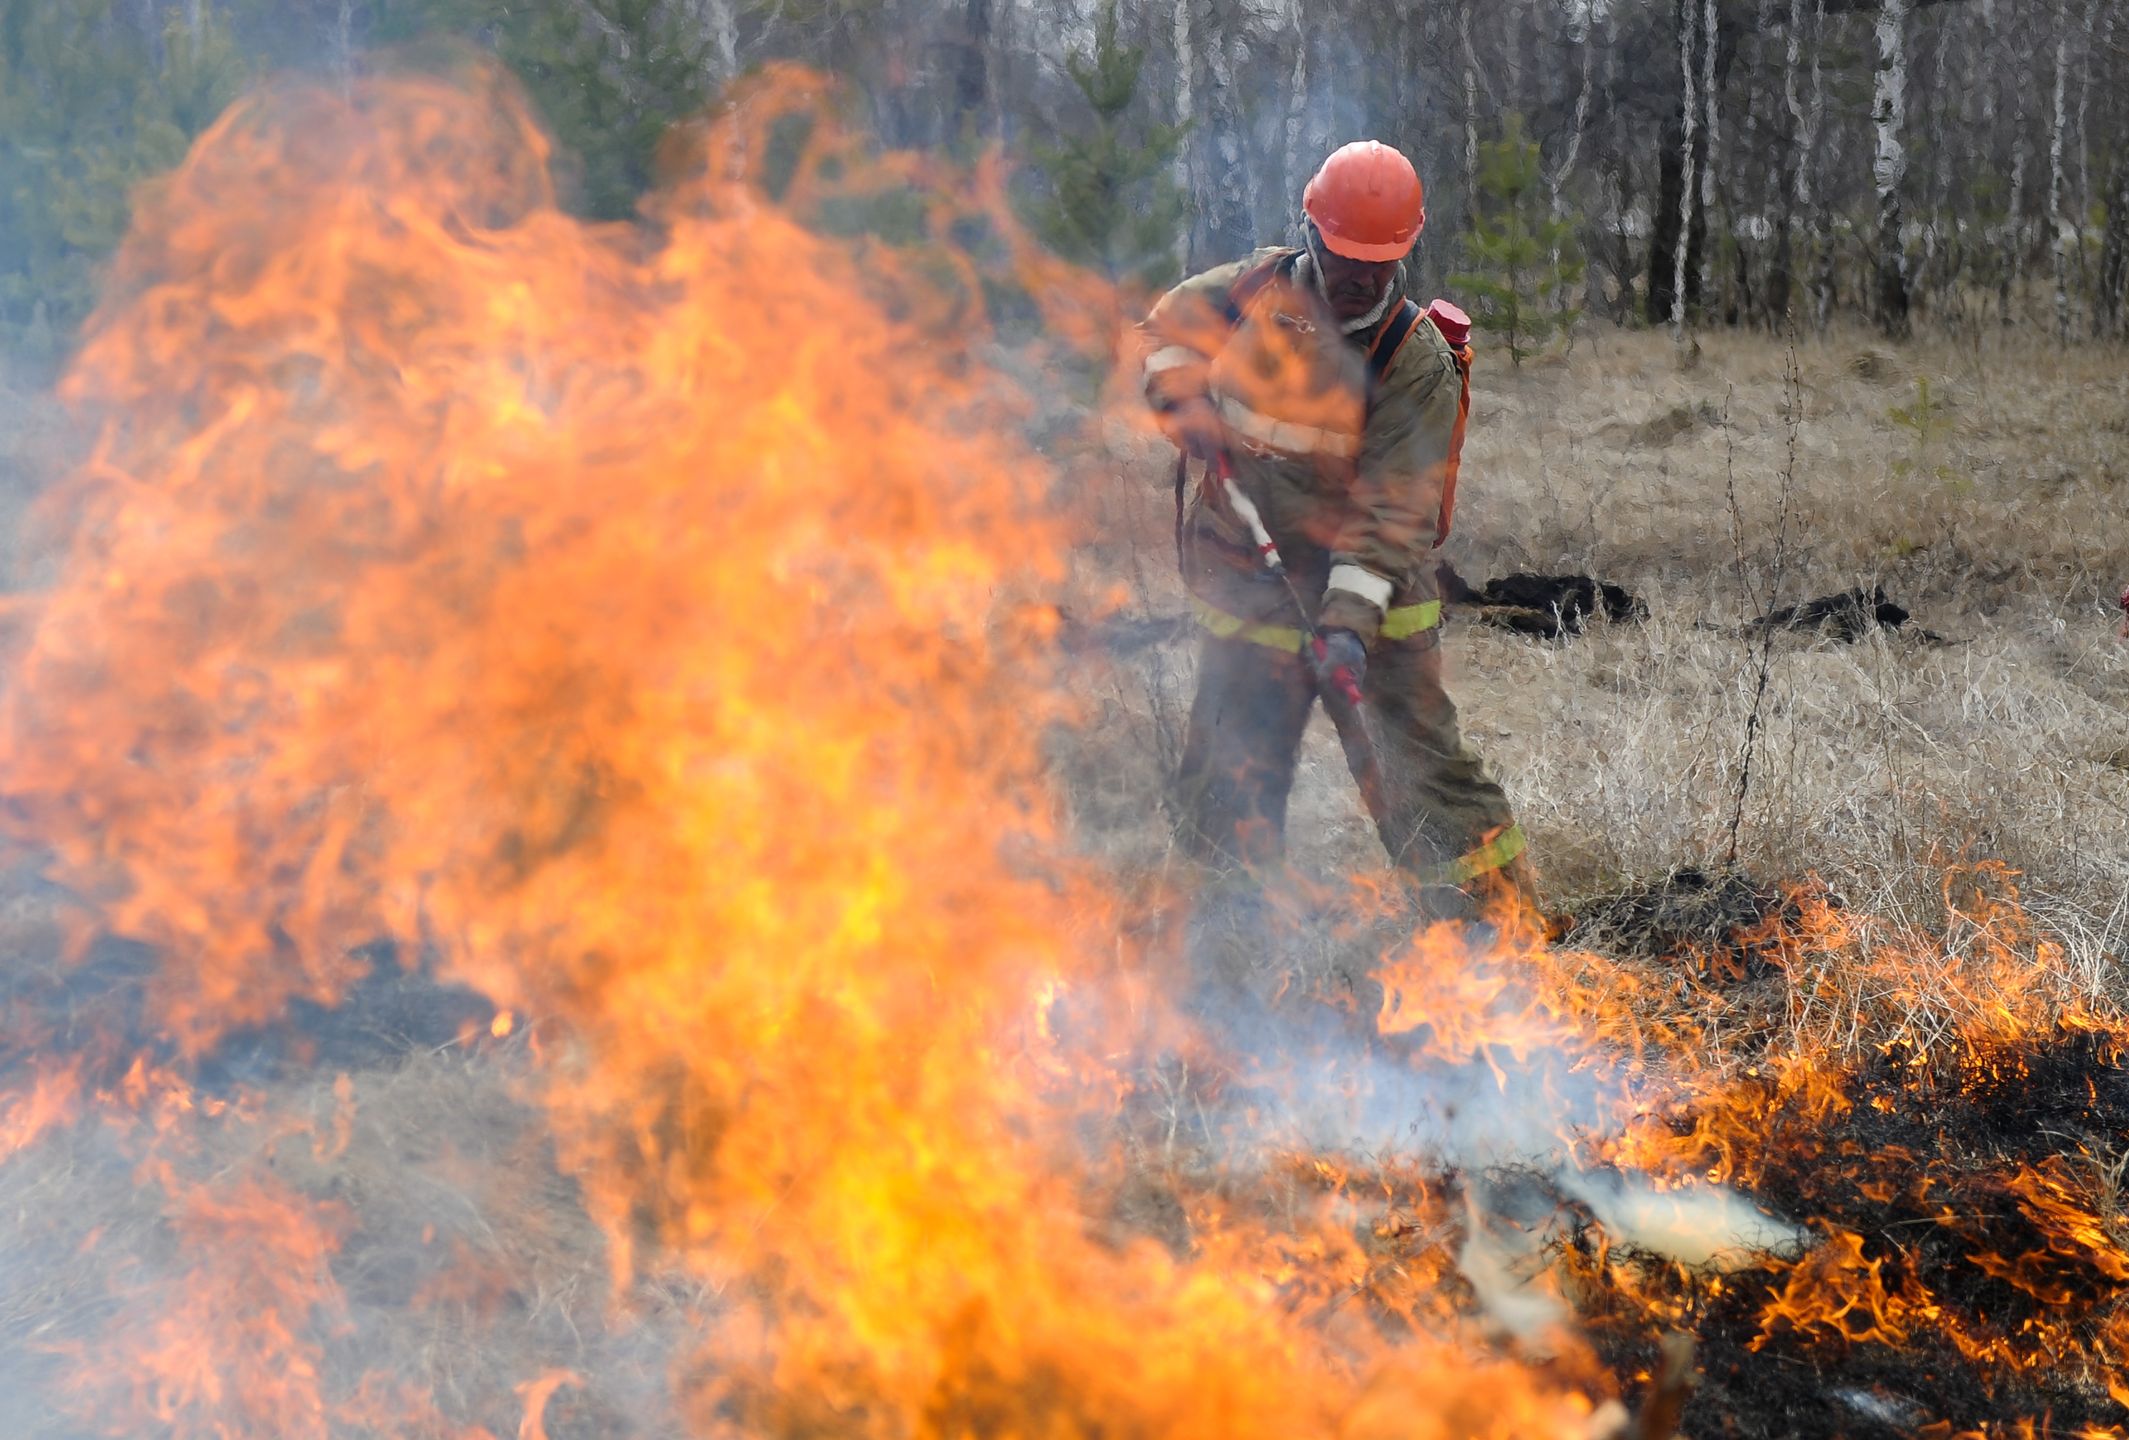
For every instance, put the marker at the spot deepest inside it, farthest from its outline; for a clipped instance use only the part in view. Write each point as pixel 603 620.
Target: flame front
pixel 651 627
pixel 647 631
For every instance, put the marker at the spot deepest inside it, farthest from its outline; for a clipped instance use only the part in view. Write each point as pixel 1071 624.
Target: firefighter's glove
pixel 1339 662
pixel 1195 428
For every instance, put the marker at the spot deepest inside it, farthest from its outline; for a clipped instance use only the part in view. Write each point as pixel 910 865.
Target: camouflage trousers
pixel 1445 822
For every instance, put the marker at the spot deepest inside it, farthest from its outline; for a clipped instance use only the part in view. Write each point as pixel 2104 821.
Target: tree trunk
pixel 1809 154
pixel 1566 168
pixel 1795 198
pixel 1229 201
pixel 1711 144
pixel 2058 248
pixel 1889 167
pixel 2110 313
pixel 2012 268
pixel 972 71
pixel 1300 159
pixel 1470 112
pixel 2084 106
pixel 1184 35
pixel 1688 27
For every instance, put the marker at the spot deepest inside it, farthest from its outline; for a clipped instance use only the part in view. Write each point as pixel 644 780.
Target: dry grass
pixel 1996 513
pixel 1996 509
pixel 465 1263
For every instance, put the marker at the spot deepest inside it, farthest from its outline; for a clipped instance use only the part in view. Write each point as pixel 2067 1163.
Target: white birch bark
pixel 2084 106
pixel 1804 122
pixel 720 21
pixel 1686 31
pixel 1810 121
pixel 1710 38
pixel 1889 165
pixel 1297 110
pixel 1184 35
pixel 1566 169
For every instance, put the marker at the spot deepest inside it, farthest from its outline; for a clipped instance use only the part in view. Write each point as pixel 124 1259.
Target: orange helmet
pixel 1367 202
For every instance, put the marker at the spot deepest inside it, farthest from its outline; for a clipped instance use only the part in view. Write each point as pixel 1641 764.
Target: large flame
pixel 651 627
pixel 642 628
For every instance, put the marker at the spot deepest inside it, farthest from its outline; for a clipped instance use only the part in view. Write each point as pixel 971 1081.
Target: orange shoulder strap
pixel 1464 357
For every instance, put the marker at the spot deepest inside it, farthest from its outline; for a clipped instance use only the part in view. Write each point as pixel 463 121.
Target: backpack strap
pixel 1251 282
pixel 1246 288
pixel 1455 328
pixel 1388 341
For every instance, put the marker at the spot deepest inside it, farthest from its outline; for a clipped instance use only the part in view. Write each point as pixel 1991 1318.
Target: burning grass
pixel 772 1037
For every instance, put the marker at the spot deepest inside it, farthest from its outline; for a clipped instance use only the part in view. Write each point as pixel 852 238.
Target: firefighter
pixel 1322 405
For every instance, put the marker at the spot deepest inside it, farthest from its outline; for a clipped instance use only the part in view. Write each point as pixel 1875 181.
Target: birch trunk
pixel 1566 170
pixel 2012 270
pixel 1793 188
pixel 1184 36
pixel 1889 165
pixel 1686 30
pixel 2084 106
pixel 1297 112
pixel 1807 157
pixel 1711 103
pixel 721 21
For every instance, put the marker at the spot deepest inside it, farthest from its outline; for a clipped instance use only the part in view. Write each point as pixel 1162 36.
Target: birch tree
pixel 1688 27
pixel 1183 34
pixel 1889 165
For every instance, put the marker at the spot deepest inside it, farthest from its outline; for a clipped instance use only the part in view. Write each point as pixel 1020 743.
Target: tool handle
pixel 1246 510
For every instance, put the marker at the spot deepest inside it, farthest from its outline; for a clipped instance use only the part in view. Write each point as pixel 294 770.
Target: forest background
pixel 1732 162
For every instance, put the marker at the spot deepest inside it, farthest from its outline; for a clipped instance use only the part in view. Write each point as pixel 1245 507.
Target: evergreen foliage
pixel 609 78
pixel 1525 263
pixel 91 105
pixel 1112 204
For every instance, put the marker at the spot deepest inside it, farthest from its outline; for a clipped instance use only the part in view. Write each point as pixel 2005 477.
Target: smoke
pixel 1489 1093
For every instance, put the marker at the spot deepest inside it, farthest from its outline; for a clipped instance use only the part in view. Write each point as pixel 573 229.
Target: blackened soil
pixel 1966 1180
pixel 1723 922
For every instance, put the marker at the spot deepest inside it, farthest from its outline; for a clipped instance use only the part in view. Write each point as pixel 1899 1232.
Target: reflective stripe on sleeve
pixel 1171 357
pixel 1363 582
pixel 1285 436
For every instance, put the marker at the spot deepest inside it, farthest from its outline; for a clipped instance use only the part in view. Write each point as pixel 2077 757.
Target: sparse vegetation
pixel 1525 264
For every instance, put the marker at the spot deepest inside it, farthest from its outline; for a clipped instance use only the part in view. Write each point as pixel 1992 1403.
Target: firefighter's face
pixel 1354 287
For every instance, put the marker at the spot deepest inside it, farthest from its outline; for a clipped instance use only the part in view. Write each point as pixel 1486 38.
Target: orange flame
pixel 646 626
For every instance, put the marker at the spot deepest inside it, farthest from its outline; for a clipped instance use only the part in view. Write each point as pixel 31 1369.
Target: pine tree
pixel 1112 202
pixel 89 109
pixel 1525 262
pixel 610 78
